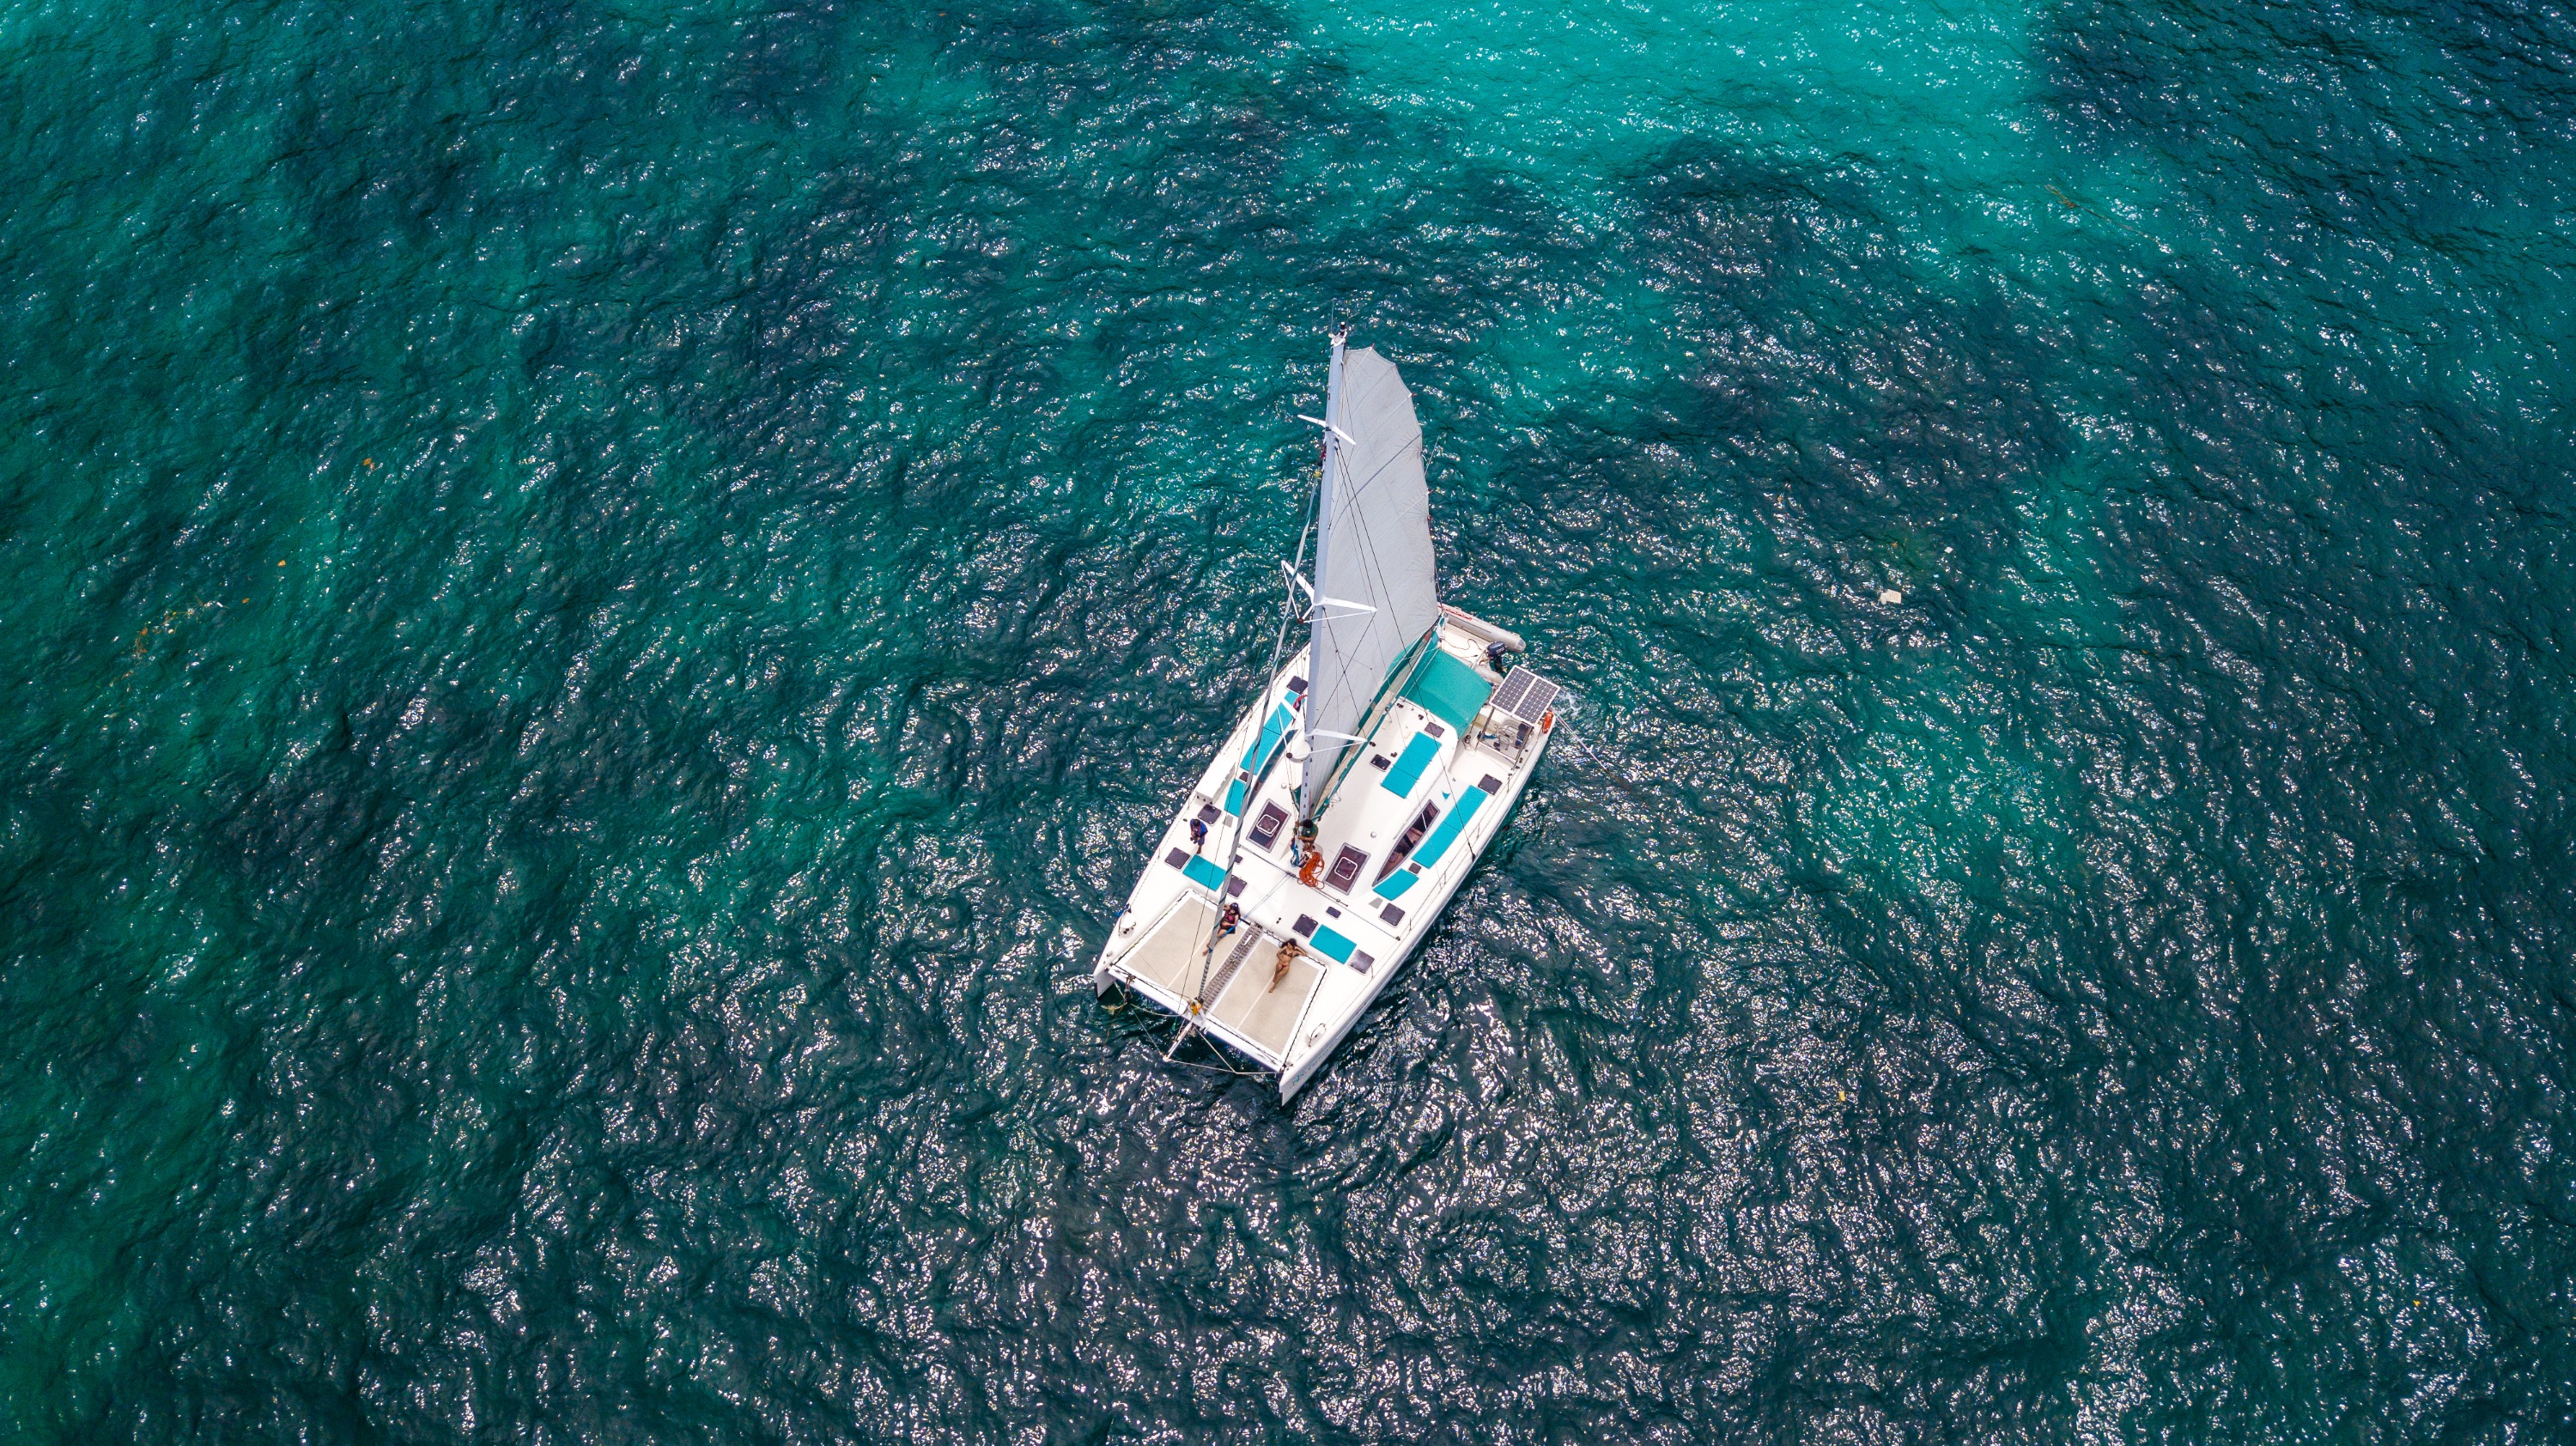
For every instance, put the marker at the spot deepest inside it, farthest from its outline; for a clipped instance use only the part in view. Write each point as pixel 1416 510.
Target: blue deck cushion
pixel 1447 833
pixel 1408 768
pixel 1274 731
pixel 1449 690
pixel 1394 884
pixel 1204 874
pixel 1328 942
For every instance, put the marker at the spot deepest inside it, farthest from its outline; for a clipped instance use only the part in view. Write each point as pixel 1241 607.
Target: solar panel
pixel 1525 695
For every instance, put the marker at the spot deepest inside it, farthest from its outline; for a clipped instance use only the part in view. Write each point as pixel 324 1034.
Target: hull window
pixel 1412 836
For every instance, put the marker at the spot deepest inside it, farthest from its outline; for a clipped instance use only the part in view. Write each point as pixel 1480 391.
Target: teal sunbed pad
pixel 1274 731
pixel 1408 769
pixel 1447 833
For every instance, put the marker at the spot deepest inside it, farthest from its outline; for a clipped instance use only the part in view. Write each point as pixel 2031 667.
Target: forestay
pixel 1375 592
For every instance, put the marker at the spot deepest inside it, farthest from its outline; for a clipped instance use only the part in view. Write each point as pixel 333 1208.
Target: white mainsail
pixel 1375 593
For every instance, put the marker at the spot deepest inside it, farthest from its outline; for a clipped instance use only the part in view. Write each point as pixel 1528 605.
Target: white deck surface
pixel 1160 946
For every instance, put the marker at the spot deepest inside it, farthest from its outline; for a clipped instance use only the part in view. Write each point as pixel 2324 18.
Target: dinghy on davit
pixel 1333 826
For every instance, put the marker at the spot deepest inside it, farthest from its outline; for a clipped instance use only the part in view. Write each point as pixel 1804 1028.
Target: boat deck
pixel 1237 969
pixel 1400 832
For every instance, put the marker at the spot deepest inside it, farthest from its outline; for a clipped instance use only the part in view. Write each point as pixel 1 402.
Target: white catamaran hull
pixel 1445 752
pixel 1332 828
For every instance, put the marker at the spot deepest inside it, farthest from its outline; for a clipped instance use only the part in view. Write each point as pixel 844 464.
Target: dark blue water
pixel 603 602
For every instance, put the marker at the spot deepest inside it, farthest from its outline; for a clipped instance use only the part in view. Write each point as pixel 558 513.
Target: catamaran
pixel 1329 831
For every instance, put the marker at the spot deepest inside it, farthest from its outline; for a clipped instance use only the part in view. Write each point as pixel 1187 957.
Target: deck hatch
pixel 1346 868
pixel 1265 829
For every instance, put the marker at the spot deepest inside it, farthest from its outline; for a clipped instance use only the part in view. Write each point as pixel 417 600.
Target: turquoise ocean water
pixel 603 598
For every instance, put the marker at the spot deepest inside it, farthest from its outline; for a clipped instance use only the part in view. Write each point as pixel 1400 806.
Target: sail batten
pixel 1375 583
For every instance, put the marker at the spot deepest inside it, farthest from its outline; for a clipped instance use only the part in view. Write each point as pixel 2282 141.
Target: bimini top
pixel 1449 690
pixel 1375 589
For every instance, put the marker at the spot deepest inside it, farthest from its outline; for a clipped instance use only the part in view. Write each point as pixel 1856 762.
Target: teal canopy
pixel 1450 690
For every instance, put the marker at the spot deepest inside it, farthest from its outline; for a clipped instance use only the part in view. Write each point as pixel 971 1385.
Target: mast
pixel 1314 770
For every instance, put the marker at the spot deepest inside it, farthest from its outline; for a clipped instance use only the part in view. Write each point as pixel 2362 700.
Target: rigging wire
pixel 1234 843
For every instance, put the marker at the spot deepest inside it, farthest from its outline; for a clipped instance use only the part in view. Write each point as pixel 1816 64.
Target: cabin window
pixel 1265 829
pixel 1412 836
pixel 1305 926
pixel 1346 869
